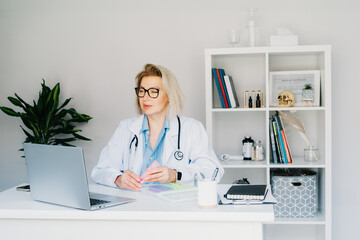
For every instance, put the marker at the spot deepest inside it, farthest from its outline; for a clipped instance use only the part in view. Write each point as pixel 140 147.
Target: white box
pixel 284 40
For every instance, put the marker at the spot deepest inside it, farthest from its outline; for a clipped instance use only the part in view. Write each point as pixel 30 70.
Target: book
pixel 231 91
pixel 283 135
pixel 222 88
pixel 246 192
pixel 222 74
pixel 272 142
pixel 281 142
pixel 277 141
pixel 217 82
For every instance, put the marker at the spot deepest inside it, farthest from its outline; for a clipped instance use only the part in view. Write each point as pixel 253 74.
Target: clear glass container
pixel 258 151
pixel 311 154
pixel 252 31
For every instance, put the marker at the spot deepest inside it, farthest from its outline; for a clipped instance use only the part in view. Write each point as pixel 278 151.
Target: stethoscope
pixel 178 154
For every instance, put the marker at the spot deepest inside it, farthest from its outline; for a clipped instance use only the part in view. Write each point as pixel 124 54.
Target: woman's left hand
pixel 162 174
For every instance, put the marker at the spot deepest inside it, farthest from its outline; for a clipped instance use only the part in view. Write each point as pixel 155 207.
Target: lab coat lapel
pixel 135 162
pixel 171 141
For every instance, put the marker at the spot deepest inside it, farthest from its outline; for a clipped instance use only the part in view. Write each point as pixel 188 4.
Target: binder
pixel 227 99
pixel 246 192
pixel 231 91
pixel 217 82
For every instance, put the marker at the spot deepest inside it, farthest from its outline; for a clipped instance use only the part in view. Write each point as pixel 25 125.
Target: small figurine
pixel 308 94
pixel 286 99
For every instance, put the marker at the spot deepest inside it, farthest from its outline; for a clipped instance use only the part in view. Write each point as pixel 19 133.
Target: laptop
pixel 57 175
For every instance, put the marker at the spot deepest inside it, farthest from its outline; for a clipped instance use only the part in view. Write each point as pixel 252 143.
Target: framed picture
pixel 295 82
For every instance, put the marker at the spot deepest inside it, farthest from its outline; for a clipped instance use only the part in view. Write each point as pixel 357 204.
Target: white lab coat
pixel 117 156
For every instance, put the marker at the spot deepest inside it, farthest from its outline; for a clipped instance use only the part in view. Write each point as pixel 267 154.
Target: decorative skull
pixel 286 99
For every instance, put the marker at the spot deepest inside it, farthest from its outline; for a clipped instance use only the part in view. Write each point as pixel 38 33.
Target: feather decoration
pixel 295 123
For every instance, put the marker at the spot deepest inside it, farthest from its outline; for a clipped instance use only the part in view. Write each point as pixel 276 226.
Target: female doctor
pixel 178 143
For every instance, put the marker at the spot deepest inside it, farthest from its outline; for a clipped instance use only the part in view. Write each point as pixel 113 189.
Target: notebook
pixel 57 175
pixel 246 192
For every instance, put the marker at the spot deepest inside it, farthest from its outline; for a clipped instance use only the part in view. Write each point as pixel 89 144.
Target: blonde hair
pixel 170 84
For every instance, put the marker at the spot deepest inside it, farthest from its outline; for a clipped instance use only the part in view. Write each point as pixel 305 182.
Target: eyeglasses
pixel 152 92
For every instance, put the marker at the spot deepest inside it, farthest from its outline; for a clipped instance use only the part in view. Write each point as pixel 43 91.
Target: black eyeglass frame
pixel 147 91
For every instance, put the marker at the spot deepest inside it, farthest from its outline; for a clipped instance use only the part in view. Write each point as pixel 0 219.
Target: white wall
pixel 94 48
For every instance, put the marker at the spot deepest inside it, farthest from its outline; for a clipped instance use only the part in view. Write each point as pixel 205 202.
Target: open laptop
pixel 57 175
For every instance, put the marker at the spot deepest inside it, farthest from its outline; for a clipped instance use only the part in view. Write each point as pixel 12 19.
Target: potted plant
pixel 46 121
pixel 308 93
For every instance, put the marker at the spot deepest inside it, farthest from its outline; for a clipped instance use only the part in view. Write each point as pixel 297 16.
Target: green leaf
pixel 55 95
pixel 65 103
pixel 10 112
pixel 81 137
pixel 15 102
pixel 30 138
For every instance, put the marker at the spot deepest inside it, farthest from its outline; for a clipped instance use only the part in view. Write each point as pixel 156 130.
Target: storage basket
pixel 296 191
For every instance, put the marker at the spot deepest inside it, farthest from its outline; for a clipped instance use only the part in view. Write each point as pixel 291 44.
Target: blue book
pixel 272 142
pixel 282 146
pixel 222 74
pixel 218 87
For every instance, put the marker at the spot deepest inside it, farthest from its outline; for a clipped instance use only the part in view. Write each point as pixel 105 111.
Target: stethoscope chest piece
pixel 178 155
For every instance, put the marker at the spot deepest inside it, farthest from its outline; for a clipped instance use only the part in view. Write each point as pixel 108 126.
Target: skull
pixel 286 99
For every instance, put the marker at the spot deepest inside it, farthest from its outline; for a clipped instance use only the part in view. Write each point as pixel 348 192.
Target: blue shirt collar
pixel 145 124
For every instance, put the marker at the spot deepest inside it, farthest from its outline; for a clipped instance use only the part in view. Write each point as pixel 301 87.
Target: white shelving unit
pixel 250 68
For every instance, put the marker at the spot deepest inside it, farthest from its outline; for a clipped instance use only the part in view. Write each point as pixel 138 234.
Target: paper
pixel 171 192
pixel 154 164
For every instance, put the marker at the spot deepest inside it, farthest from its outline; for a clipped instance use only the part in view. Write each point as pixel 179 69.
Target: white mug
pixel 207 193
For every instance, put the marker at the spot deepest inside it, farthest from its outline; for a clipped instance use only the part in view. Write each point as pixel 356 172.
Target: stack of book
pixel 226 89
pixel 279 147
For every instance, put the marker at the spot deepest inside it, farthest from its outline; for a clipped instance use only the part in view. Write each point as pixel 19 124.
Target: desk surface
pixel 19 205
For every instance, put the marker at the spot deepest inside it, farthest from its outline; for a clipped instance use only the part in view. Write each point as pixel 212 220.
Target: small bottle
pixel 250 102
pixel 258 151
pixel 258 103
pixel 248 148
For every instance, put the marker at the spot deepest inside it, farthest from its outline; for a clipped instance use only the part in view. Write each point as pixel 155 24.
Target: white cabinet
pixel 226 127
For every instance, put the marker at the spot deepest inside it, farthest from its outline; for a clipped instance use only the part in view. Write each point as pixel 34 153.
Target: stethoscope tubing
pixel 177 154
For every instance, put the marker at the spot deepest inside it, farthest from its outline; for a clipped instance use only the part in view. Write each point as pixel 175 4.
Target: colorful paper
pixel 154 164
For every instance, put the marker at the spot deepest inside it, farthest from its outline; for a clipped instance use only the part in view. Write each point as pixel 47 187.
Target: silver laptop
pixel 57 175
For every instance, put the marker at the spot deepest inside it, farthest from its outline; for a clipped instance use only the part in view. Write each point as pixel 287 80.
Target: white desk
pixel 149 218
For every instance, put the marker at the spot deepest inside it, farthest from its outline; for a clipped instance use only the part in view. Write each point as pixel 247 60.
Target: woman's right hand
pixel 128 180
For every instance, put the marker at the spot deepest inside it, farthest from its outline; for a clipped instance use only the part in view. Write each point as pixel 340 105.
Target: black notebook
pixel 246 192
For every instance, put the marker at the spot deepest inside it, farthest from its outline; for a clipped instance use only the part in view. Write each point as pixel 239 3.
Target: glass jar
pixel 311 154
pixel 258 151
pixel 247 148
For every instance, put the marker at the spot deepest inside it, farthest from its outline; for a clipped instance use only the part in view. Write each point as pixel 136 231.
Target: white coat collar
pixel 136 126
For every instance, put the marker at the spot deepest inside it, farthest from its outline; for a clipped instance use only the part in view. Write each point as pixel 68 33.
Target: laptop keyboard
pixel 94 201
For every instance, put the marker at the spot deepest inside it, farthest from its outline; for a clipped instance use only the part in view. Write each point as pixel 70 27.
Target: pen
pixel 215 174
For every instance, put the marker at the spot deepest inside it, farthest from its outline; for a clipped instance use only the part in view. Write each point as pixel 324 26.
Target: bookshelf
pixel 250 68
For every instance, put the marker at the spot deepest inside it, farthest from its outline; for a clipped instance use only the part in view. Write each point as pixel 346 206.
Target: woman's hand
pixel 128 180
pixel 162 174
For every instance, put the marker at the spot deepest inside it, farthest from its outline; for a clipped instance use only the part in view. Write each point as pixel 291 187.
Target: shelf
pixel 319 219
pixel 243 164
pixel 297 109
pixel 299 163
pixel 222 110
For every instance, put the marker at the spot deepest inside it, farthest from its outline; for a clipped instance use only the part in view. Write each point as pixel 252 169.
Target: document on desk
pixel 222 200
pixel 172 192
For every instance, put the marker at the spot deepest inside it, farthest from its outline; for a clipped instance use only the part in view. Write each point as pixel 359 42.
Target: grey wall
pixel 94 48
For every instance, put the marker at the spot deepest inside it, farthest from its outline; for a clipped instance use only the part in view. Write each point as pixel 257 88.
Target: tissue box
pixel 296 192
pixel 284 40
